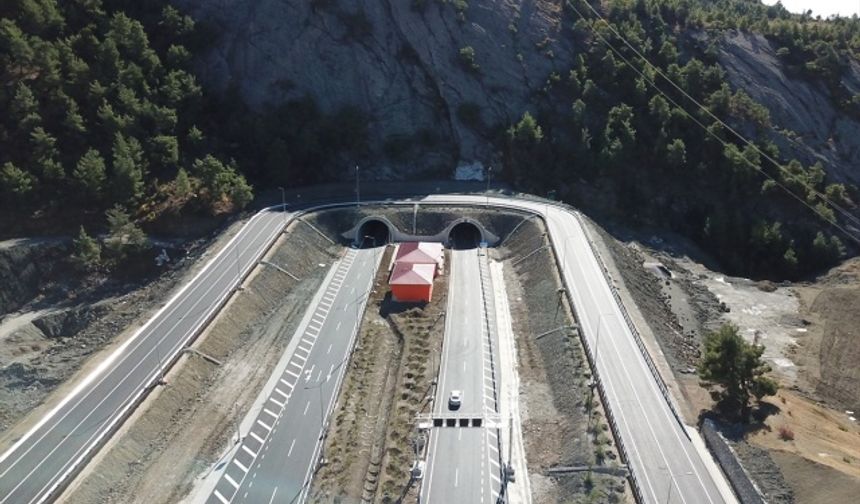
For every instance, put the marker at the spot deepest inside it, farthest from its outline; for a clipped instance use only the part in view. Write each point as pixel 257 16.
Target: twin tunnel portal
pixel 461 234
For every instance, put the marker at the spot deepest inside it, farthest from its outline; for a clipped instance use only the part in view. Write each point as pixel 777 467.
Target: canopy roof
pixel 420 253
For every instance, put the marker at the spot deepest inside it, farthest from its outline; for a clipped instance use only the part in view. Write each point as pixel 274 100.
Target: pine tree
pixel 15 181
pixel 128 169
pixel 734 371
pixel 87 251
pixel 90 173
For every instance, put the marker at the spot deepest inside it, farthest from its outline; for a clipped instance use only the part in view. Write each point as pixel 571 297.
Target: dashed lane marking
pixel 291 448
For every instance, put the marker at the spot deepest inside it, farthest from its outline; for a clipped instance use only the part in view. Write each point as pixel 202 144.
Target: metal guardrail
pixel 601 390
pixel 661 384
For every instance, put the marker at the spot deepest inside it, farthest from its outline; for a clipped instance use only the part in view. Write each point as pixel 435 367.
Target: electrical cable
pixel 653 84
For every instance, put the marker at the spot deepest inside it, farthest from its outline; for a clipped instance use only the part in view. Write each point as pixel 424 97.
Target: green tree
pixel 676 153
pixel 125 236
pixel 25 108
pixel 128 169
pixel 222 181
pixel 15 181
pixel 90 173
pixel 87 251
pixel 734 371
pixel 182 184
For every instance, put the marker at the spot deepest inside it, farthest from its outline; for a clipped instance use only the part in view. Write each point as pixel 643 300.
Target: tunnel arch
pixel 465 234
pixel 373 232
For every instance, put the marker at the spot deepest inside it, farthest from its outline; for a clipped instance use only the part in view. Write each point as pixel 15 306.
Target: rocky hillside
pixel 422 68
pixel 813 128
pixel 439 66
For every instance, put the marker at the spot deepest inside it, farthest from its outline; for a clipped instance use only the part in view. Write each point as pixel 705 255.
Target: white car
pixel 455 399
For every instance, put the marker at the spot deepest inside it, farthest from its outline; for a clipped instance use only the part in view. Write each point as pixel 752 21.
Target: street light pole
pixel 284 203
pixel 357 188
pixel 489 176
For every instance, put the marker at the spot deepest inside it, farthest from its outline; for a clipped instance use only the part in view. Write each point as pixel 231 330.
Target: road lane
pixel 461 460
pixel 37 464
pixel 282 448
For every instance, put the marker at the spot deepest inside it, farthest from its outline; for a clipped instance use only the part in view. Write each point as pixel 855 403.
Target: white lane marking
pixel 293 363
pixel 239 465
pixel 270 412
pixel 308 405
pixel 329 348
pixel 294 375
pixel 285 382
pixel 306 350
pixel 304 359
pixel 255 436
pixel 231 480
pixel 280 404
pixel 352 291
pixel 261 424
pixel 272 499
pixel 249 451
pixel 281 392
pixel 291 448
pixel 457 477
pixel 220 497
pixel 338 327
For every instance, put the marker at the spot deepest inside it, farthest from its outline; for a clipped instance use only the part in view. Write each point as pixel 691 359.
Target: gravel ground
pixel 554 383
pixel 369 446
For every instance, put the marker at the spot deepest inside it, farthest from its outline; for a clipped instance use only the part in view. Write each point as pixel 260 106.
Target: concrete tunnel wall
pixel 396 235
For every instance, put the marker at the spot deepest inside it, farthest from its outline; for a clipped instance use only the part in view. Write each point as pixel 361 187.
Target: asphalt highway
pixel 667 465
pixel 463 461
pixel 277 456
pixel 665 462
pixel 34 468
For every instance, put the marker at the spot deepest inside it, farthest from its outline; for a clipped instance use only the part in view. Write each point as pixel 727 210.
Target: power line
pixel 651 82
pixel 823 197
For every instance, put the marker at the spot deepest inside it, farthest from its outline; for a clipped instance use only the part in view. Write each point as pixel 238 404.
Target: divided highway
pixel 463 462
pixel 35 467
pixel 276 459
pixel 662 456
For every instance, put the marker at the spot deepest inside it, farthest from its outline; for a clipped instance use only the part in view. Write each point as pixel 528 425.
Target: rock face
pixel 407 63
pixel 824 133
pixel 399 60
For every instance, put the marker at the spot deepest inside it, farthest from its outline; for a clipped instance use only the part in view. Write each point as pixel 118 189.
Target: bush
pixel 785 433
pixel 467 59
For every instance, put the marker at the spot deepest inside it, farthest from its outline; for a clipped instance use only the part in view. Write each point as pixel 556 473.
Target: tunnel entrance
pixel 373 233
pixel 464 235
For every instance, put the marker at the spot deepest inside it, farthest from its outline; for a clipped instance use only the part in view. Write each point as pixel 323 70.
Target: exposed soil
pixel 181 429
pixel 66 324
pixel 810 334
pixel 563 423
pixel 370 445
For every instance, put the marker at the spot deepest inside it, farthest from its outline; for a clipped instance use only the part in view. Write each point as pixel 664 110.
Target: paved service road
pixel 463 461
pixel 32 469
pixel 275 460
